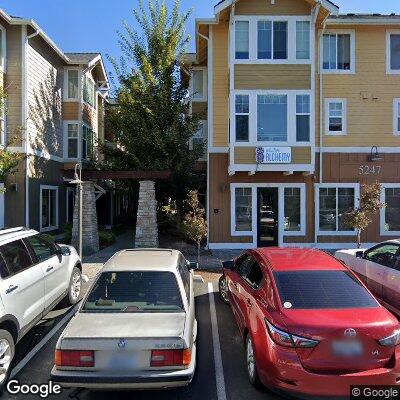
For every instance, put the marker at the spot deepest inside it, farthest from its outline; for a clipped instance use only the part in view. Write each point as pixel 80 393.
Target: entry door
pixel 267 217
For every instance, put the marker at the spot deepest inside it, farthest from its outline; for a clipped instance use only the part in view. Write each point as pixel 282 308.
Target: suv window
pixel 41 248
pixel 385 254
pixel 255 275
pixel 16 256
pixel 243 265
pixel 185 275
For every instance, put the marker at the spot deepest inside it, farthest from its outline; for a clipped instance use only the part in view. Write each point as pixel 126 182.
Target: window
pixel 198 84
pixel 396 116
pixel 338 52
pixel 272 118
pixel 199 139
pixel 2 48
pixel 72 139
pixel 242 40
pixel 48 208
pixel 89 92
pixel 255 275
pixel 303 118
pixel 242 117
pixel 272 40
pixel 390 213
pixel 313 290
pixel 334 202
pixel 336 120
pixel 385 254
pixel 42 249
pixel 292 207
pixel 393 52
pixel 87 143
pixel 302 40
pixel 185 276
pixel 16 256
pixel 72 89
pixel 243 209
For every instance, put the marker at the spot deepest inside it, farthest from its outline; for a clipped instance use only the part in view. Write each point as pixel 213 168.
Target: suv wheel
pixel 251 363
pixel 223 289
pixel 7 351
pixel 75 286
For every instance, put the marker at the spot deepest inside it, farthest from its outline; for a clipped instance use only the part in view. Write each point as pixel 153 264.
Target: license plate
pixel 347 348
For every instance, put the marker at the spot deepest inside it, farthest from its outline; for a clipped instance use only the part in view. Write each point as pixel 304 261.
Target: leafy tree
pixel 194 223
pixel 151 120
pixel 361 217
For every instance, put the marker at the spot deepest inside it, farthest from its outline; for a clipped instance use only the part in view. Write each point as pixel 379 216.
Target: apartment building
pixel 303 107
pixel 54 116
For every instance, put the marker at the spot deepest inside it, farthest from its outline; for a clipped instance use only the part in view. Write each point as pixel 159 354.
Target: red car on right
pixel 310 327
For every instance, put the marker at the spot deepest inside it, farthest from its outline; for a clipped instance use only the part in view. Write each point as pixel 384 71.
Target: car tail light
pixel 74 358
pixel 287 339
pixel 392 340
pixel 170 358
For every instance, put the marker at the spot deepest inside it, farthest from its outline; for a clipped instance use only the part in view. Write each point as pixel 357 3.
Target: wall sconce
pixel 375 156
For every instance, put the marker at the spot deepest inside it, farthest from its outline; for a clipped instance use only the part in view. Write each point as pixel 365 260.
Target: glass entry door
pixel 267 217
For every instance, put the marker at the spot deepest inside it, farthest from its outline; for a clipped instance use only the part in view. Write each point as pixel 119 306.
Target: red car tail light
pixel 74 358
pixel 288 340
pixel 392 340
pixel 170 358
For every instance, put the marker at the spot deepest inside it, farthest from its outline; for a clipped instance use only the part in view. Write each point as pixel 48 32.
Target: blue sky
pixel 91 25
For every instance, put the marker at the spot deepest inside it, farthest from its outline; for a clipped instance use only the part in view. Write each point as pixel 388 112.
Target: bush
pixel 106 238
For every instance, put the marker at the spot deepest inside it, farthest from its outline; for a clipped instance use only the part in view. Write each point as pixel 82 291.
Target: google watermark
pixel 374 392
pixel 43 390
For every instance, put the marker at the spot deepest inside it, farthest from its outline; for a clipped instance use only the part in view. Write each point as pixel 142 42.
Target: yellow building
pixel 301 107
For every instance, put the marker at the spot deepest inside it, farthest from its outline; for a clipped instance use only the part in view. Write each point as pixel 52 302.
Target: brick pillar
pixel 146 223
pixel 90 233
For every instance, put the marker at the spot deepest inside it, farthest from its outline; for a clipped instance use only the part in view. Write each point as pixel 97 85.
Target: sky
pixel 91 25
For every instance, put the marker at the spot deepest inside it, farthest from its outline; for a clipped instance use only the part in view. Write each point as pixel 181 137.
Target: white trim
pixel 382 221
pixel 3 58
pixel 352 34
pixel 281 208
pixel 50 228
pixel 389 70
pixel 218 149
pixel 317 186
pixel 65 135
pixel 270 167
pixel 46 155
pixel 359 149
pixel 205 85
pixel 343 132
pixel 396 116
pixel 65 89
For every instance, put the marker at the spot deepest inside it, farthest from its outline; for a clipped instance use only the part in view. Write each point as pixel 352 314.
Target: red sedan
pixel 310 326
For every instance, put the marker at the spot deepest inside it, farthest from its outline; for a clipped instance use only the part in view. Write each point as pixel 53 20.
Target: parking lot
pixel 221 370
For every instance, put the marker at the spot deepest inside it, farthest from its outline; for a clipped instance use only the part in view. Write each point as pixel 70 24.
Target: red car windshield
pixel 322 290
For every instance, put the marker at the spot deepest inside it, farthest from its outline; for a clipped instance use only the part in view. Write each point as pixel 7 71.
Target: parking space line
pixel 219 370
pixel 39 346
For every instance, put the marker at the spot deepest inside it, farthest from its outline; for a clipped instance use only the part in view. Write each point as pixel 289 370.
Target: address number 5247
pixel 370 169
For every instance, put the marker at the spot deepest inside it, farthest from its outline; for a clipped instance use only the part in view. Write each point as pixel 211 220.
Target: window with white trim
pixel 338 52
pixel 198 84
pixel 242 112
pixel 72 83
pixel 243 209
pixel 87 143
pixel 303 114
pixel 272 38
pixel 391 212
pixel 272 111
pixel 242 40
pixel 89 91
pixel 303 40
pixel 292 209
pixel 393 52
pixel 72 140
pixel 396 116
pixel 199 139
pixel 48 208
pixel 336 116
pixel 334 203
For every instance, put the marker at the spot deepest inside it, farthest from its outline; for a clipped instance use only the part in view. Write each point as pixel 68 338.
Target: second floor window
pixel 394 52
pixel 72 89
pixel 337 52
pixel 396 116
pixel 89 92
pixel 198 84
pixel 87 143
pixel 272 118
pixel 272 40
pixel 302 40
pixel 242 40
pixel 72 131
pixel 302 118
pixel 242 117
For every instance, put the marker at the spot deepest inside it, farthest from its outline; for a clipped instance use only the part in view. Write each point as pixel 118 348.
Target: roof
pixel 143 259
pixel 296 259
pixel 10 234
pixel 82 58
pixel 364 19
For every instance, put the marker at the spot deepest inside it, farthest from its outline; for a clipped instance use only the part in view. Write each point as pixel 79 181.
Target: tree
pixel 194 223
pixel 370 203
pixel 151 119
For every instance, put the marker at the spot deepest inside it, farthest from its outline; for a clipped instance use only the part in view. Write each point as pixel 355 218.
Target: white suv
pixel 35 275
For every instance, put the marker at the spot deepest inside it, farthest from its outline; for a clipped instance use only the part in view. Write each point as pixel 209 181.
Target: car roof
pixel 11 234
pixel 297 259
pixel 143 259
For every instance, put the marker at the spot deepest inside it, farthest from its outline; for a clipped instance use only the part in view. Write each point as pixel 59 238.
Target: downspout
pixel 25 115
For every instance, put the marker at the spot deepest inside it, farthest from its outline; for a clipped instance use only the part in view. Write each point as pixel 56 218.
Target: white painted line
pixel 219 370
pixel 39 346
pixel 198 278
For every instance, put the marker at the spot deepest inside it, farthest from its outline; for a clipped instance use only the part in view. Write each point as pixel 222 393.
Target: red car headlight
pixel 288 340
pixel 392 340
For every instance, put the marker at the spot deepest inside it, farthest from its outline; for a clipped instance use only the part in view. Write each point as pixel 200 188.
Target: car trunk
pixel 339 352
pixel 124 341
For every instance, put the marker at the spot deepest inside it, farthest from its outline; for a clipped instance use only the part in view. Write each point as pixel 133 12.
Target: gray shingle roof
pixel 82 58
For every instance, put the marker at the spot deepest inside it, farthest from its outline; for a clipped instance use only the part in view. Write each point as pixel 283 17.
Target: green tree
pixel 370 203
pixel 194 223
pixel 151 119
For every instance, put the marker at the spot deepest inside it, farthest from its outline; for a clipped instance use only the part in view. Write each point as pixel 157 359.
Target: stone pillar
pixel 146 223
pixel 90 232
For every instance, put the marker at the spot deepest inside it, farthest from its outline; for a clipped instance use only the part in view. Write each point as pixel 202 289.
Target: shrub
pixel 106 238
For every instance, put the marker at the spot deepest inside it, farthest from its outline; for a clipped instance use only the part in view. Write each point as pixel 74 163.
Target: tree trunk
pixel 358 239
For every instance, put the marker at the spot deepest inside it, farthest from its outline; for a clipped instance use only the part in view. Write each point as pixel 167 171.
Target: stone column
pixel 90 232
pixel 146 223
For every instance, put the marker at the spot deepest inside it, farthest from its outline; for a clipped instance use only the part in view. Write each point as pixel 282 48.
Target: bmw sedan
pixel 136 327
pixel 309 325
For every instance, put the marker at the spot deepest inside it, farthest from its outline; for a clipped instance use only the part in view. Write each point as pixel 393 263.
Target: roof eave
pixel 363 21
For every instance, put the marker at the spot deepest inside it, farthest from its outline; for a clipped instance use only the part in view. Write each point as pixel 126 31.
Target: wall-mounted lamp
pixel 375 156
